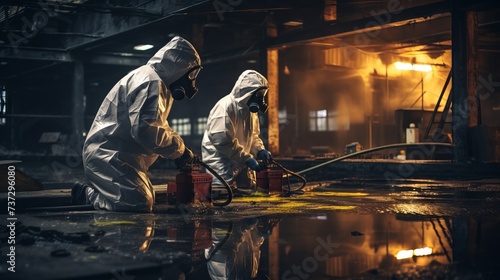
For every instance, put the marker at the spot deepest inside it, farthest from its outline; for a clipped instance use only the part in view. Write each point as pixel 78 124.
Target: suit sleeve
pixel 221 132
pixel 149 107
pixel 257 143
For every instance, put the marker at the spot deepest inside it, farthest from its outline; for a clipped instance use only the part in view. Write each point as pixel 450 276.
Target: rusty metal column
pixel 272 99
pixel 463 91
pixel 77 114
pixel 472 68
pixel 274 253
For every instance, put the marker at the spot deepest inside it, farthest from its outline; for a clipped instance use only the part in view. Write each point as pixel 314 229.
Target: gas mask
pixel 257 102
pixel 185 85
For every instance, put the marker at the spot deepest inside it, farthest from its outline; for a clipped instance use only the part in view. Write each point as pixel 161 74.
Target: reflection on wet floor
pixel 103 245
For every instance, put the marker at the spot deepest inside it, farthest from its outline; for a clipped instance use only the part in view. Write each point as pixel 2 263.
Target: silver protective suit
pixel 131 130
pixel 232 133
pixel 236 258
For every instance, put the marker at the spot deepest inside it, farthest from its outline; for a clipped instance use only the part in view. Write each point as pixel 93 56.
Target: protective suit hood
pixel 247 83
pixel 174 60
pixel 130 131
pixel 232 135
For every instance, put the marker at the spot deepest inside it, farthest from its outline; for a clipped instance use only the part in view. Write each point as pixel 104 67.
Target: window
pixel 182 126
pixel 282 116
pixel 3 103
pixel 201 124
pixel 324 120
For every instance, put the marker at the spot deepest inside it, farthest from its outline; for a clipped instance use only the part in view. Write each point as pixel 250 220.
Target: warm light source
pixel 143 47
pixel 414 67
pixel 422 251
pixel 403 66
pixel 406 254
pixel 292 23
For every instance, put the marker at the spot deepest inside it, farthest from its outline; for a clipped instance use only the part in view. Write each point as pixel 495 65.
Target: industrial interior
pixel 389 109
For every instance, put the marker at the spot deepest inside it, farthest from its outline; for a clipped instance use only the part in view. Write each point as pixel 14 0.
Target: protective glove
pixel 253 164
pixel 186 158
pixel 264 154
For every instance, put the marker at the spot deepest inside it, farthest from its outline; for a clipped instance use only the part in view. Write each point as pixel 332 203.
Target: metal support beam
pixel 65 56
pixel 274 252
pixel 472 68
pixel 120 60
pixel 77 120
pixel 273 120
pixel 459 82
pixel 396 15
pixel 35 54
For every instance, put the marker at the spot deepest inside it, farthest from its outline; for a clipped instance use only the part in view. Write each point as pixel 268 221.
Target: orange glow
pixel 414 67
pixel 422 251
pixel 403 66
pixel 406 254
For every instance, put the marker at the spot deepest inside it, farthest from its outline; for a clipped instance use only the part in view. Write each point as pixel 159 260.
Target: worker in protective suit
pixel 131 130
pixel 231 141
pixel 235 255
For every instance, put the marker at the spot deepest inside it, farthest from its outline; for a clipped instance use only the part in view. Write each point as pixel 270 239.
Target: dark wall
pixel 41 103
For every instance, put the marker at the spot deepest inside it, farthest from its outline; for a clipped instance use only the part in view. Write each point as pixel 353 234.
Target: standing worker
pixel 231 140
pixel 131 130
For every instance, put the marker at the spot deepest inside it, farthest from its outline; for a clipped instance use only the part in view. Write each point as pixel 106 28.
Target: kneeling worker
pixel 231 140
pixel 131 130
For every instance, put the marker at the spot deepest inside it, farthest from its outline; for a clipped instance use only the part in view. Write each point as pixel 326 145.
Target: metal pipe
pixel 398 145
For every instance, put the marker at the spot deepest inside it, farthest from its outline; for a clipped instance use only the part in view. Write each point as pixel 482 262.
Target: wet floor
pixel 349 229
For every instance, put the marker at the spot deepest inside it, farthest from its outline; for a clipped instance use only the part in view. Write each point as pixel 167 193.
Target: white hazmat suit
pixel 232 133
pixel 131 130
pixel 238 257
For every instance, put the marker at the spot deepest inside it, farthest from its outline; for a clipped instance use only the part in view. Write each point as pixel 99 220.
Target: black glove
pixel 186 158
pixel 253 164
pixel 265 154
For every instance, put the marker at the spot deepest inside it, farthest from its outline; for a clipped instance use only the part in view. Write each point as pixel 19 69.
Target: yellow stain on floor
pixel 331 207
pixel 298 203
pixel 336 194
pixel 277 198
pixel 258 199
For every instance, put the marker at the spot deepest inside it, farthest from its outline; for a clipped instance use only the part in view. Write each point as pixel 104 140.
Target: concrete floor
pixel 347 227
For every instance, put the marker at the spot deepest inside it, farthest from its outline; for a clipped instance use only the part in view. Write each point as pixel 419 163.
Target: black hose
pixel 397 145
pixel 217 247
pixel 226 185
pixel 289 172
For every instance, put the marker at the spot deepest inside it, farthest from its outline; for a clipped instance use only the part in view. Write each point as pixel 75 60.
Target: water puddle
pixel 325 246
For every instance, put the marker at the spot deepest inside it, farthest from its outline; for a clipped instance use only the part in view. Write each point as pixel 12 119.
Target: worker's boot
pixel 79 194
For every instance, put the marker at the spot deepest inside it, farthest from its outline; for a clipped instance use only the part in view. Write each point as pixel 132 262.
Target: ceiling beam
pixel 117 59
pixel 53 55
pixel 398 17
pixel 479 5
pixel 35 54
pixel 150 25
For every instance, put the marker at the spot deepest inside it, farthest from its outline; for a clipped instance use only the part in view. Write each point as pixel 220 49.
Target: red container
pixel 195 236
pixel 171 193
pixel 270 181
pixel 202 238
pixel 194 188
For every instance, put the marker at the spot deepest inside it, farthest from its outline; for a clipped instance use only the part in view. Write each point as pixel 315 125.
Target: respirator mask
pixel 185 85
pixel 257 102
